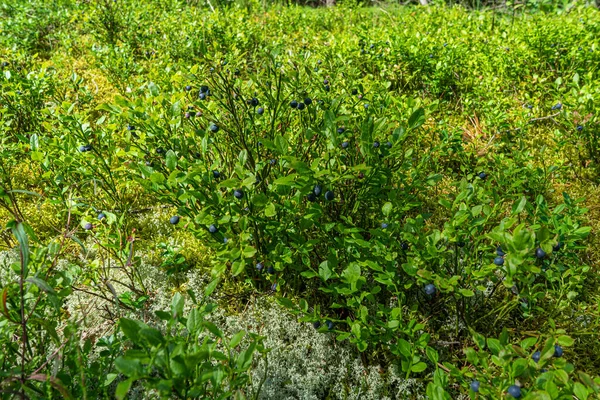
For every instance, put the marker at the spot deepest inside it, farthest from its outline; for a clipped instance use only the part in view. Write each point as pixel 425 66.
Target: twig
pixel 546 117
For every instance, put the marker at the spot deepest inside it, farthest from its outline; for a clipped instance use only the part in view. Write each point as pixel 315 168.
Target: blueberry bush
pixel 418 184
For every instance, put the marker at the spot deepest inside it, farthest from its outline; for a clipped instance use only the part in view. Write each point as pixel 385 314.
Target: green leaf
pixel 210 288
pixel 129 367
pixel 19 232
pixel 416 119
pixel 236 339
pixel 565 341
pixel 177 304
pixel 518 207
pixel 194 321
pixel 122 389
pixel 419 367
pixel 386 209
pixel 131 329
pixel 212 328
pixel 324 271
pixel 171 160
pixel 41 284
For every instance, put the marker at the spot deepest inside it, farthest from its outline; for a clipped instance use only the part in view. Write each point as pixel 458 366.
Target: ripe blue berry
pixel 329 324
pixel 499 251
pixel 259 266
pixel 376 144
pixel 294 104
pixel 308 101
pixel 430 289
pixel 301 106
pixel 238 193
pixel 274 287
pixel 316 324
pixel 345 145
pixel 558 351
pixel 317 190
pixel 88 226
pixel 557 246
pixel 311 197
pixel 260 111
pixel 384 225
pixel 539 253
pixel 482 175
pixel 579 128
pixel 202 96
pixel 212 229
pixel 271 270
pixel 341 130
pixel 514 391
pixel 536 356
pixel 499 260
pixel 216 174
pixel 188 88
pixel 475 386
pixel 329 195
pixel 213 128
pixel 174 220
pixel 101 216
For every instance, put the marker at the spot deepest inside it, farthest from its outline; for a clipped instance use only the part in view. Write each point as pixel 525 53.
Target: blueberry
pixel 341 130
pixel 327 88
pixel 308 101
pixel 430 289
pixel 354 92
pixel 404 246
pixel 253 102
pixel 88 226
pixel 202 96
pixel 372 46
pixel 499 260
pixel 188 88
pixel 536 356
pixel 557 246
pixel 345 145
pixel 174 220
pixel 499 251
pixel 199 114
pixel 238 193
pixel 384 225
pixel 388 145
pixel 260 111
pixel 311 197
pixel 212 229
pixel 329 195
pixel 4 64
pixel 271 270
pixel 274 287
pixel 225 240
pixel 203 89
pixel 539 253
pixel 475 386
pixel 316 324
pixel 319 62
pixel 557 106
pixel 376 144
pixel 558 351
pixel 301 106
pixel 366 105
pixel 514 391
pixel 325 82
pixel 482 175
pixel 329 324
pixel 259 266
pixel 216 174
pixel 445 44
pixel 85 148
pixel 213 128
pixel 317 190
pixel 294 104
pixel 579 128
pixel 187 115
pixel 101 216
pixel 130 128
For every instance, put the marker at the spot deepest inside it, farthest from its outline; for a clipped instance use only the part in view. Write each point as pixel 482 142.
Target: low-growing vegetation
pixel 254 200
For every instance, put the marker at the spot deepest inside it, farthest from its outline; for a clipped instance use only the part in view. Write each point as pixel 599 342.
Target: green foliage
pixel 366 178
